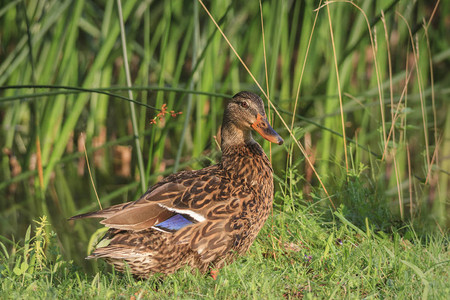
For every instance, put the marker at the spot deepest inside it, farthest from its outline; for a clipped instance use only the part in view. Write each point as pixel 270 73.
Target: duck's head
pixel 244 113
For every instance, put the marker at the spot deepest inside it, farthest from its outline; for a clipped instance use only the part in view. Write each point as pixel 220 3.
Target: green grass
pixel 63 84
pixel 301 252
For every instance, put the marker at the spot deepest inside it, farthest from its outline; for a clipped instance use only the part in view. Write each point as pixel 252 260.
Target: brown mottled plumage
pixel 200 218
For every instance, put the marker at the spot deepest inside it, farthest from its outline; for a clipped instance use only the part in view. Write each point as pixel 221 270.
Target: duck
pixel 199 218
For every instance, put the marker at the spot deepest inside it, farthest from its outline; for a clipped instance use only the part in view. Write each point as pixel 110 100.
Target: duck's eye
pixel 243 104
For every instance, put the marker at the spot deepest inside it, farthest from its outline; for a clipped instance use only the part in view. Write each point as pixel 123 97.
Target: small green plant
pixel 38 254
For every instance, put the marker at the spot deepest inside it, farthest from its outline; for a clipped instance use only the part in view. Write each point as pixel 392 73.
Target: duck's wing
pixel 162 193
pixel 178 201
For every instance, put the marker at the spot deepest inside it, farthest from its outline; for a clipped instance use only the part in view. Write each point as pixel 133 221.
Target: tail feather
pixel 86 215
pixel 104 213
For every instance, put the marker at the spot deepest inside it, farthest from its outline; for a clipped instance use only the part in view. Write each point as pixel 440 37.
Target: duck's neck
pixel 243 158
pixel 232 136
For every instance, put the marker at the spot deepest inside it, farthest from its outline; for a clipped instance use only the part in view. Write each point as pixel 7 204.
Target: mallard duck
pixel 200 218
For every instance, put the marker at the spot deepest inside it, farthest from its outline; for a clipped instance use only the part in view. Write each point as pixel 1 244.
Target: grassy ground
pixel 299 253
pixel 360 95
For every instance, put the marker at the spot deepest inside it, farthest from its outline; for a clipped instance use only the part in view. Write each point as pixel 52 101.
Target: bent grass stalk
pixel 391 93
pixel 130 95
pixel 375 61
pixel 297 95
pixel 270 103
pixel 89 170
pixel 419 84
pixel 269 116
pixel 433 102
pixel 344 140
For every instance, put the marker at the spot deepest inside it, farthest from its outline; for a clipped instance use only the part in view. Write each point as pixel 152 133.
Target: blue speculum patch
pixel 174 223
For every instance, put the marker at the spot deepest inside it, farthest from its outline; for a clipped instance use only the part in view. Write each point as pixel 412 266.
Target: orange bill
pixel 262 126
